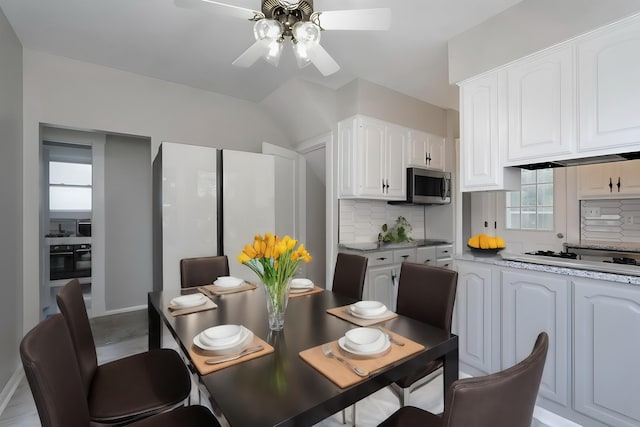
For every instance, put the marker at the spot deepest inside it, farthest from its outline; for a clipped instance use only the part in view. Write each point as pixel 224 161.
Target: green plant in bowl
pixel 400 232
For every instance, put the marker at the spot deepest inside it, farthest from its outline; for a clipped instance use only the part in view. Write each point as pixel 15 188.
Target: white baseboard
pixel 124 310
pixel 7 392
pixel 552 419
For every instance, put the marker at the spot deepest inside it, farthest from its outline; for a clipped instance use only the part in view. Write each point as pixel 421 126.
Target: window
pixel 69 186
pixel 531 208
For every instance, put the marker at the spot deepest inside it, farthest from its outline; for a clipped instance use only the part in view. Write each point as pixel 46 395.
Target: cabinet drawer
pixel 444 251
pixel 401 255
pixel 426 255
pixel 380 258
pixel 445 262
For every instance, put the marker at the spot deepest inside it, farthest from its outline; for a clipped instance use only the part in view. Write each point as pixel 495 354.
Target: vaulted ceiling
pixel 158 39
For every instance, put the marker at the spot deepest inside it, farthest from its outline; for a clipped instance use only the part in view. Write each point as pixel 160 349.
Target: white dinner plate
pixel 186 301
pixel 377 352
pixel 301 284
pixel 299 290
pixel 216 351
pixel 228 282
pixel 368 308
pixel 370 316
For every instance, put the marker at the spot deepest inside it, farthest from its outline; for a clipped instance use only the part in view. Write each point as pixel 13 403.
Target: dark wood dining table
pixel 281 389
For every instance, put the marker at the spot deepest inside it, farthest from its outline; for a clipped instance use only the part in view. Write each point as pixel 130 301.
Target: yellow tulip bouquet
pixel 275 261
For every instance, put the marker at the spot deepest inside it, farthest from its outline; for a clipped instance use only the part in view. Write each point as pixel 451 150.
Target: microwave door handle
pixel 443 188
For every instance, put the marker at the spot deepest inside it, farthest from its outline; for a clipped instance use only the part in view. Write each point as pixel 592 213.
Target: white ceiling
pixel 158 39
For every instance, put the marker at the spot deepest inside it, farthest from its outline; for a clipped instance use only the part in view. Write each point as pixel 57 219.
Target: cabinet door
pixel 474 316
pixel 426 150
pixel 481 161
pixel 531 303
pixel 395 162
pixel 596 180
pixel 370 146
pixel 346 158
pixel 380 284
pixel 609 88
pixel 541 107
pixel 607 372
pixel 629 178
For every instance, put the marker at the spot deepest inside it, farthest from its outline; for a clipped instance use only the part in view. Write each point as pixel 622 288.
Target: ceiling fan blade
pixel 220 8
pixel 322 60
pixel 251 55
pixel 356 19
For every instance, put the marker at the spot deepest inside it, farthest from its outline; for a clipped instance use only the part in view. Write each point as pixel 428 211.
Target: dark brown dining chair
pixel 203 270
pixel 125 389
pixel 53 375
pixel 427 294
pixel 349 274
pixel 504 399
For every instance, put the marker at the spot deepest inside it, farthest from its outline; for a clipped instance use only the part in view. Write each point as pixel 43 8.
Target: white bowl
pixel 364 340
pixel 301 283
pixel 227 281
pixel 245 339
pixel 369 308
pixel 221 336
pixel 186 301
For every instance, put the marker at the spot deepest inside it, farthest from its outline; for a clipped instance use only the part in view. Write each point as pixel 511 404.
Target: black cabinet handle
pixel 405 256
pixel 618 184
pixel 610 185
pixel 381 259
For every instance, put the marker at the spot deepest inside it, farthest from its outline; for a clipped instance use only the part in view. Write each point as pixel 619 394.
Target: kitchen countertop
pixel 375 246
pixel 67 240
pixel 569 267
pixel 607 246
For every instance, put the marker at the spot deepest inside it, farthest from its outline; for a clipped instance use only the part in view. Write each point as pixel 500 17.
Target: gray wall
pixel 526 28
pixel 370 99
pixel 128 263
pixel 11 196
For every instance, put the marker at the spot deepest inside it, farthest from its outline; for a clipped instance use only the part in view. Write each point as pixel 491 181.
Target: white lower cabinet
pixel 607 347
pixel 380 285
pixel 591 374
pixel 473 316
pixel 533 302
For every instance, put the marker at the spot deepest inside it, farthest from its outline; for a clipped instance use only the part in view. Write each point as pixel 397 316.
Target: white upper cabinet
pixel 426 150
pixel 609 88
pixel 481 165
pixel 609 180
pixel 371 159
pixel 541 101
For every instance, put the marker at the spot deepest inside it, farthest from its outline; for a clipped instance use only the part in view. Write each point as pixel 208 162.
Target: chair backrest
pixel 51 368
pixel 72 306
pixel 427 294
pixel 203 270
pixel 349 274
pixel 504 399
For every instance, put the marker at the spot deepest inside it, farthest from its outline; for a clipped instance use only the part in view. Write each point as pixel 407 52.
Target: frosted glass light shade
pixel 267 29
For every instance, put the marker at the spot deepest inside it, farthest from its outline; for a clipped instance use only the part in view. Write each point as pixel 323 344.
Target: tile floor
pixel 114 341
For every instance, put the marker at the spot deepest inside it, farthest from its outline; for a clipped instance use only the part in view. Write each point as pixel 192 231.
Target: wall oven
pixel 69 261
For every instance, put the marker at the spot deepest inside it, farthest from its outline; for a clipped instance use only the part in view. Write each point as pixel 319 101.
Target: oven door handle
pixel 61 253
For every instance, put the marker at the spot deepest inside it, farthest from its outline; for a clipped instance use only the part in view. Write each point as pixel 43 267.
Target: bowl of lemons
pixel 485 244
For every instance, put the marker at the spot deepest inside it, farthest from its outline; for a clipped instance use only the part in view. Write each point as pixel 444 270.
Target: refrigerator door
pixel 186 175
pixel 248 208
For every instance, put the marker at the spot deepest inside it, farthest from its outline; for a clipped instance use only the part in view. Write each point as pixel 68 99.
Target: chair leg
pixel 353 415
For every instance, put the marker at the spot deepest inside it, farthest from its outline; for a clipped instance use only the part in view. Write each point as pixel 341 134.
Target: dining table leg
pixel 155 326
pixel 450 370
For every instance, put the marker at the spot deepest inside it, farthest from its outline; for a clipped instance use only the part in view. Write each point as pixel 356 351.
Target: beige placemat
pixel 343 313
pixel 342 375
pixel 313 290
pixel 219 290
pixel 209 305
pixel 199 359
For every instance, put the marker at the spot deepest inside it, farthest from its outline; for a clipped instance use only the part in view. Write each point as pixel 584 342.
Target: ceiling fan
pixel 294 19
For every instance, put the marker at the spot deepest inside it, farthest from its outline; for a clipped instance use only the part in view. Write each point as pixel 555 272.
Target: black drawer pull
pixel 380 259
pixel 405 256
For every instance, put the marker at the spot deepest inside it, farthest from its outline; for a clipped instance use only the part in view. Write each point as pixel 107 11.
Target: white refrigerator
pixel 209 201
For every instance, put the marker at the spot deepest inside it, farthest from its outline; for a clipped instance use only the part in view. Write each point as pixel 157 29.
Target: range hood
pixel 582 161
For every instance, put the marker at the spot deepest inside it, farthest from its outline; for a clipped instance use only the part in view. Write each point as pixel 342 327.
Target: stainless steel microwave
pixel 428 187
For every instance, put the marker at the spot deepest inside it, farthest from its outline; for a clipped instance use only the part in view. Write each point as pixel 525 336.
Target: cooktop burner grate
pixel 567 255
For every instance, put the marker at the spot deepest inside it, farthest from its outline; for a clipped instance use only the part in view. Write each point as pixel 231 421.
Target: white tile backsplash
pixel 360 220
pixel 610 220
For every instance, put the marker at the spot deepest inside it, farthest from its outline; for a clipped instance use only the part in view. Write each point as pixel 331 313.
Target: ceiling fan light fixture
pixel 289 4
pixel 275 52
pixel 306 32
pixel 267 29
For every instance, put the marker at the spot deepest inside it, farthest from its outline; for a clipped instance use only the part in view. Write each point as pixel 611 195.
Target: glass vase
pixel 277 295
